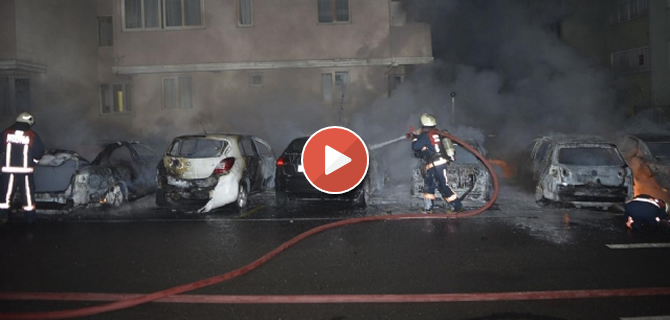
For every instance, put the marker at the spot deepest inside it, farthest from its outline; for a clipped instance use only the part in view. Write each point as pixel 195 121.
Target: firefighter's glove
pixel 452 158
pixel 410 135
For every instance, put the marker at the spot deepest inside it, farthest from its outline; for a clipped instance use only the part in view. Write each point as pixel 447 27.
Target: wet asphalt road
pixel 516 248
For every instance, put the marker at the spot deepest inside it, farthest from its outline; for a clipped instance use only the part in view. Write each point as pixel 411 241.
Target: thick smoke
pixel 513 77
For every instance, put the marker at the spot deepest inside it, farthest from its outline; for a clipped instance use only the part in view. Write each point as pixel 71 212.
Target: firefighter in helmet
pixel 645 213
pixel 21 149
pixel 436 151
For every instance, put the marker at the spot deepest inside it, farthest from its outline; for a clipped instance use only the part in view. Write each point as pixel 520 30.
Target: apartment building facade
pixel 632 37
pixel 123 69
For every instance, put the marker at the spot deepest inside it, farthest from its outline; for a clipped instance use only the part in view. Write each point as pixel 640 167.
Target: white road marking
pixel 649 318
pixel 638 245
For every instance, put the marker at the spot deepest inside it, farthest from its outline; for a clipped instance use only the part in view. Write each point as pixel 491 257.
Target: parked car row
pixel 208 171
pixel 201 171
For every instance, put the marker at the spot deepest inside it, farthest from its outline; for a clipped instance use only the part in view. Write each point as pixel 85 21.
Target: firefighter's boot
pixel 428 205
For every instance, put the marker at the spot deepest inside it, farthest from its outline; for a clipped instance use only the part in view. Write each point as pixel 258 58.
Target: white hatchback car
pixel 213 170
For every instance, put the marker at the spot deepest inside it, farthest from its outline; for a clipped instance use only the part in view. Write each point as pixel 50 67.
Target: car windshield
pixel 196 147
pixel 296 146
pixel 589 156
pixel 660 150
pixel 463 156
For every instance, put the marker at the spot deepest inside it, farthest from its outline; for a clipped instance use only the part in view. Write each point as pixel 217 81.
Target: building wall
pixel 625 36
pixel 224 100
pixel 221 40
pixel 628 35
pixel 7 30
pixel 578 29
pixel 288 104
pixel 62 35
pixel 659 26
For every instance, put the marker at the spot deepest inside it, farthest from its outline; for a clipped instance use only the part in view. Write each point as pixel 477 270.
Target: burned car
pixel 122 171
pixel 467 175
pixel 291 184
pixel 584 171
pixel 649 157
pixel 213 170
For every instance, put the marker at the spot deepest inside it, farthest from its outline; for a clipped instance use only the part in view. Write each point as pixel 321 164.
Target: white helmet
pixel 427 120
pixel 26 117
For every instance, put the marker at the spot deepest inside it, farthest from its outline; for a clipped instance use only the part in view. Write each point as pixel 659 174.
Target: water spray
pixel 379 145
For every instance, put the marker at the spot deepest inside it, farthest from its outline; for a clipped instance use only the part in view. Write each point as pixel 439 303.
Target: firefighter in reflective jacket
pixel 645 212
pixel 436 151
pixel 21 149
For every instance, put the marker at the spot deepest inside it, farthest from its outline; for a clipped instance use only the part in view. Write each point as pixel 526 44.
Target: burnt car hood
pixel 55 170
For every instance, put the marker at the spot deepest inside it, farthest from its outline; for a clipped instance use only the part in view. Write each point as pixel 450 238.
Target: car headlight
pixel 82 178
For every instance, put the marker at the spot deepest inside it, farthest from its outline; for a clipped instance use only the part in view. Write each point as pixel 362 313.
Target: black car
pixel 291 183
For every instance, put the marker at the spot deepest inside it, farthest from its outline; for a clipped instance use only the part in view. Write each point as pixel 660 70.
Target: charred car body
pixel 213 170
pixel 122 171
pixel 653 151
pixel 292 184
pixel 467 175
pixel 584 171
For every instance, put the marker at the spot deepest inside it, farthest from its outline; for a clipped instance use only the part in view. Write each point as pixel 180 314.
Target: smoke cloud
pixel 514 79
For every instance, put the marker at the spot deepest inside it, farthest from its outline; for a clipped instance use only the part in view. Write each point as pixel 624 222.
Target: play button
pixel 335 160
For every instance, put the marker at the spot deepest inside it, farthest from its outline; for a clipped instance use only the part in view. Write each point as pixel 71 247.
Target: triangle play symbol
pixel 335 160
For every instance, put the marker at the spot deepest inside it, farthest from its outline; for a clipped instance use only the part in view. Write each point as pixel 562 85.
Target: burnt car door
pixel 119 158
pixel 267 164
pixel 252 161
pixel 539 157
pixel 144 177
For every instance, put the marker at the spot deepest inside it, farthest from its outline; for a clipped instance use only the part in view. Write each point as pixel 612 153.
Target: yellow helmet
pixel 26 117
pixel 427 120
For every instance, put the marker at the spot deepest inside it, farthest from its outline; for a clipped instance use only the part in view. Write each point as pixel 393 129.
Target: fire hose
pixel 131 302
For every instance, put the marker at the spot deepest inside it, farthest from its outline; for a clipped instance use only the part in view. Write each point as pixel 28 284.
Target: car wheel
pixel 281 198
pixel 161 199
pixel 114 196
pixel 242 197
pixel 539 196
pixel 359 200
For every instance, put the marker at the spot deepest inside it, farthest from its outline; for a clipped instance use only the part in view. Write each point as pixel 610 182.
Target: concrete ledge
pixel 238 66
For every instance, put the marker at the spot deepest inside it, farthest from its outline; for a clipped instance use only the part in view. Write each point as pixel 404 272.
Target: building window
pixel 635 60
pixel 395 80
pixel 256 80
pixel 631 9
pixel 177 93
pixel 105 32
pixel 115 98
pixel 333 11
pixel 335 91
pixel 14 95
pixel 162 14
pixel 245 13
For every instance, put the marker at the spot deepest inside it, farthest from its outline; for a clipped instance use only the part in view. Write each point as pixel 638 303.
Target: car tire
pixel 359 201
pixel 281 198
pixel 161 199
pixel 539 197
pixel 242 199
pixel 115 196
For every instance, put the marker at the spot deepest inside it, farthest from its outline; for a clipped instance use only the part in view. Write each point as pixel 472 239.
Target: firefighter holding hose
pixel 437 151
pixel 21 148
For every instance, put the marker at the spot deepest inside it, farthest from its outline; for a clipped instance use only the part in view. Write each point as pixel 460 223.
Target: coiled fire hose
pixel 123 304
